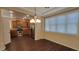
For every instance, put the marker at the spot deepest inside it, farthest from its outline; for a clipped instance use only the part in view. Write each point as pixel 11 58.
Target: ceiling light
pixel 35 19
pixel 38 21
pixel 32 21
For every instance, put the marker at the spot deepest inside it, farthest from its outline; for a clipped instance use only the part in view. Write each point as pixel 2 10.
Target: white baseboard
pixel 7 42
pixel 62 44
pixel 2 48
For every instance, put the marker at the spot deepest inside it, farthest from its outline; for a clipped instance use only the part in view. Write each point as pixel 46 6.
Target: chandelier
pixel 35 19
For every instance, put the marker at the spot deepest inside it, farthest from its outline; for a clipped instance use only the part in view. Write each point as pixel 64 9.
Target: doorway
pixel 20 27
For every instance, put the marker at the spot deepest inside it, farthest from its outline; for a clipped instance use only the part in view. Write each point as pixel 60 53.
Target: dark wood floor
pixel 28 44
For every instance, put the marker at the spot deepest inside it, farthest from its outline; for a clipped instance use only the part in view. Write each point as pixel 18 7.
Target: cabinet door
pixel 14 24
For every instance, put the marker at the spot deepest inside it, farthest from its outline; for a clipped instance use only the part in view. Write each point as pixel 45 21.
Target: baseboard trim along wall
pixel 2 48
pixel 60 44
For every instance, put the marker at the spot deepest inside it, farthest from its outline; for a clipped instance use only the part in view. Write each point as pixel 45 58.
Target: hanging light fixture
pixel 35 19
pixel 32 21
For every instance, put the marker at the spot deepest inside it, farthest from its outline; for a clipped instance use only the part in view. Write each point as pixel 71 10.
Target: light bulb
pixel 32 21
pixel 38 21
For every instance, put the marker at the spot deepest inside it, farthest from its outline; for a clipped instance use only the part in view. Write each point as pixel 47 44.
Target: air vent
pixel 46 7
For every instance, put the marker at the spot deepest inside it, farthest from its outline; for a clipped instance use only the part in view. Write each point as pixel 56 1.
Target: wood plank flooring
pixel 28 44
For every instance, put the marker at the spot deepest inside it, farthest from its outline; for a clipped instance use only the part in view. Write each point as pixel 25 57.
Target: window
pixel 72 23
pixel 52 25
pixel 62 23
pixel 47 22
pixel 72 28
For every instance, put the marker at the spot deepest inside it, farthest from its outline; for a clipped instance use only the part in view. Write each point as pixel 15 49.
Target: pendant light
pixel 35 19
pixel 32 21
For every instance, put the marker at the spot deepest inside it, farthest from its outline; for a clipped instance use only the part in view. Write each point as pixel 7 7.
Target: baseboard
pixel 60 44
pixel 63 45
pixel 7 42
pixel 2 48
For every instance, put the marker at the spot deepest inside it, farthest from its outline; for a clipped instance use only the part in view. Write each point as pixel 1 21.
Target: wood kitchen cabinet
pixel 20 22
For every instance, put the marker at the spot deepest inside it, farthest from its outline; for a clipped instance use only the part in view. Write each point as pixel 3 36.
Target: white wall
pixel 4 29
pixel 2 46
pixel 38 30
pixel 5 15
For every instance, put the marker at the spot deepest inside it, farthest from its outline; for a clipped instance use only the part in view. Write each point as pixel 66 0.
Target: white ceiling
pixel 41 11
